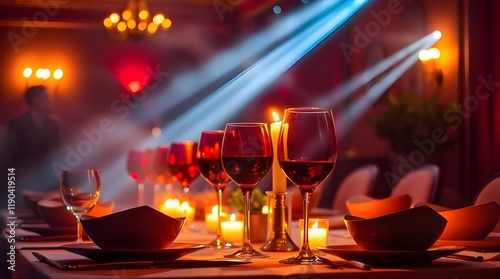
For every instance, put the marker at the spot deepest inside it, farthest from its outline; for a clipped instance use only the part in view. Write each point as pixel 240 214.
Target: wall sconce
pixel 430 56
pixel 43 74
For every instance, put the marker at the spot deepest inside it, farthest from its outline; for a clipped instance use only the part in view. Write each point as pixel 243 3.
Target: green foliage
pixel 257 201
pixel 410 117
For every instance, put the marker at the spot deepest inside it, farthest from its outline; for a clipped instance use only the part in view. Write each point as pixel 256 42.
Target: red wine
pixel 211 169
pixel 307 174
pixel 247 171
pixel 184 174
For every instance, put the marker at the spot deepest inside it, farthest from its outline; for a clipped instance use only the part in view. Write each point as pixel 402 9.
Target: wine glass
pixel 182 163
pixel 136 168
pixel 307 154
pixel 80 190
pixel 210 168
pixel 160 165
pixel 247 157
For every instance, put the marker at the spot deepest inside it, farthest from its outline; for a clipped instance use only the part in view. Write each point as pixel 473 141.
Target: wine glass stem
pixel 79 230
pixel 306 196
pixel 246 233
pixel 140 193
pixel 219 213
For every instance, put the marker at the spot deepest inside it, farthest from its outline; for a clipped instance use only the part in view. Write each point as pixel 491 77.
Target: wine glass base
pixel 246 252
pixel 302 258
pixel 219 243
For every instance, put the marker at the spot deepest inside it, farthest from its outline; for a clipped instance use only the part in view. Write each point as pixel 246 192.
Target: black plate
pixel 390 258
pixel 91 251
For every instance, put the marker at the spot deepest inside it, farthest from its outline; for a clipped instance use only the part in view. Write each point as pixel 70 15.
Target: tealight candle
pixel 318 232
pixel 232 230
pixel 212 220
pixel 170 207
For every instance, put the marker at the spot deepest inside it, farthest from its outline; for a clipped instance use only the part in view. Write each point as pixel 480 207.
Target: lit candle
pixel 318 232
pixel 169 207
pixel 185 210
pixel 232 230
pixel 212 220
pixel 279 178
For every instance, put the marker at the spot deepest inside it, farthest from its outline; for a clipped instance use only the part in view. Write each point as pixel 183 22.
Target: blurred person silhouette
pixel 31 139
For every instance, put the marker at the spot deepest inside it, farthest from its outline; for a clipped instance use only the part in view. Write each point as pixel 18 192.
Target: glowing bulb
pixel 434 53
pixel 134 86
pixel 156 132
pixel 152 28
pixel 39 73
pixel 131 24
pixel 437 34
pixel 107 22
pixel 114 18
pixel 58 73
pixel 166 23
pixel 126 15
pixel 158 19
pixel 142 25
pixel 45 73
pixel 122 26
pixel 143 14
pixel 423 55
pixel 27 72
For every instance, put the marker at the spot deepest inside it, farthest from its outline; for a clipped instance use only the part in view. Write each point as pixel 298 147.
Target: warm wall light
pixel 429 56
pixel 136 21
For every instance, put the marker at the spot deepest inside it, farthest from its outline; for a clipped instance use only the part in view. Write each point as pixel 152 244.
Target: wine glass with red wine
pixel 182 163
pixel 307 154
pixel 210 168
pixel 247 157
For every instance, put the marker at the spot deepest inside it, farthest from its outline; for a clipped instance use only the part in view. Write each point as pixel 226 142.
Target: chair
pixel 359 182
pixel 420 184
pixel 490 191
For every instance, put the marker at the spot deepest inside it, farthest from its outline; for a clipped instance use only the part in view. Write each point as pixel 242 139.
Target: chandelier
pixel 136 21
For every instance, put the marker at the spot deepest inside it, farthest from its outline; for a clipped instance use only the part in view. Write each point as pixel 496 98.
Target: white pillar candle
pixel 232 230
pixel 318 232
pixel 279 178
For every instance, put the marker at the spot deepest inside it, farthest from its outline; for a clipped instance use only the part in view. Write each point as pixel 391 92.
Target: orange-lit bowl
pixel 368 207
pixel 471 222
pixel 136 228
pixel 55 214
pixel 413 229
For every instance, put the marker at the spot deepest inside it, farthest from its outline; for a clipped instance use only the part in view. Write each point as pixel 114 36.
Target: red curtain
pixel 479 96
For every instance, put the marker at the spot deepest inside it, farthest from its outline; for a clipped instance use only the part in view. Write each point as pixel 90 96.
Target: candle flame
pixel 315 225
pixel 276 116
pixel 233 217
pixel 185 205
pixel 265 209
pixel 215 209
pixel 172 203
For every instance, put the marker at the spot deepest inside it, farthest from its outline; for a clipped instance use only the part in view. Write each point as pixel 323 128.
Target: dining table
pixel 27 265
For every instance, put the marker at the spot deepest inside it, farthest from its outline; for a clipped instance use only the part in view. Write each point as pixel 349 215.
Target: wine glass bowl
pixel 182 163
pixel 307 154
pixel 247 157
pixel 80 190
pixel 210 168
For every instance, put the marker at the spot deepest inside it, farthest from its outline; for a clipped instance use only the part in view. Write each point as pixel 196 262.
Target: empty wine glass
pixel 307 154
pixel 247 157
pixel 210 168
pixel 182 163
pixel 80 190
